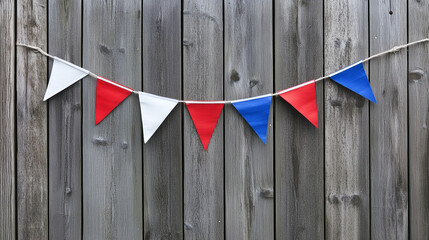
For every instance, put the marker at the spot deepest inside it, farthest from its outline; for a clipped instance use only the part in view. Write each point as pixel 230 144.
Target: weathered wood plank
pixel 388 122
pixel 7 121
pixel 202 80
pixel 65 146
pixel 32 131
pixel 249 175
pixel 418 88
pixel 163 212
pixel 346 125
pixel 298 144
pixel 112 155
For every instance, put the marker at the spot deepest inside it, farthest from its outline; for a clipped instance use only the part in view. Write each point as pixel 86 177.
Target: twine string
pixel 392 50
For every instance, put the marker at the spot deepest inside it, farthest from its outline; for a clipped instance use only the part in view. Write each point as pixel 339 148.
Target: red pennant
pixel 205 117
pixel 303 99
pixel 109 95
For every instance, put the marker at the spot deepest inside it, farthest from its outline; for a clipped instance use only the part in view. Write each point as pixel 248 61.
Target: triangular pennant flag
pixel 303 98
pixel 354 78
pixel 154 109
pixel 256 112
pixel 109 95
pixel 63 75
pixel 205 116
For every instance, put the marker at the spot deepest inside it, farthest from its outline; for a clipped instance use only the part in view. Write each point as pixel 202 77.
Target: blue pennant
pixel 355 79
pixel 256 112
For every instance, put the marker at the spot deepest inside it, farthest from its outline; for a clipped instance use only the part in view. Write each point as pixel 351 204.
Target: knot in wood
pixel 355 200
pixel 99 141
pixel 235 76
pixel 267 193
pixel 187 43
pixel 76 107
pixel 333 199
pixel 336 102
pixel 104 49
pixel 416 74
pixel 253 83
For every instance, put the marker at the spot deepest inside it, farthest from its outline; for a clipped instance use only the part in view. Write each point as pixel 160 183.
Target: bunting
pixel 256 112
pixel 154 110
pixel 355 79
pixel 303 99
pixel 205 116
pixel 63 75
pixel 109 95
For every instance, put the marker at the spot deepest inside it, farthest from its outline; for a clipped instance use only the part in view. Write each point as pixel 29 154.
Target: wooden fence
pixel 364 174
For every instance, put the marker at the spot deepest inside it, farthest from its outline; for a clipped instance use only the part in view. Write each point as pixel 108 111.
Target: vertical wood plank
pixel 112 155
pixel 346 125
pixel 163 153
pixel 418 88
pixel 388 122
pixel 32 133
pixel 65 146
pixel 7 121
pixel 298 144
pixel 249 172
pixel 202 80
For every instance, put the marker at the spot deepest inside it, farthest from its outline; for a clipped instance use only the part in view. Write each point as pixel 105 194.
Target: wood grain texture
pixel 418 116
pixel 298 144
pixel 249 175
pixel 202 80
pixel 65 128
pixel 240 188
pixel 7 121
pixel 388 122
pixel 112 163
pixel 346 125
pixel 32 131
pixel 163 201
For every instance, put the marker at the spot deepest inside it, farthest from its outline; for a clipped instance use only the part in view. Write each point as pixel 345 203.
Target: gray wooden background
pixel 364 174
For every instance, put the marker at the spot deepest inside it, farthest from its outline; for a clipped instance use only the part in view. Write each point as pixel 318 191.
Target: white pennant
pixel 154 110
pixel 63 75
